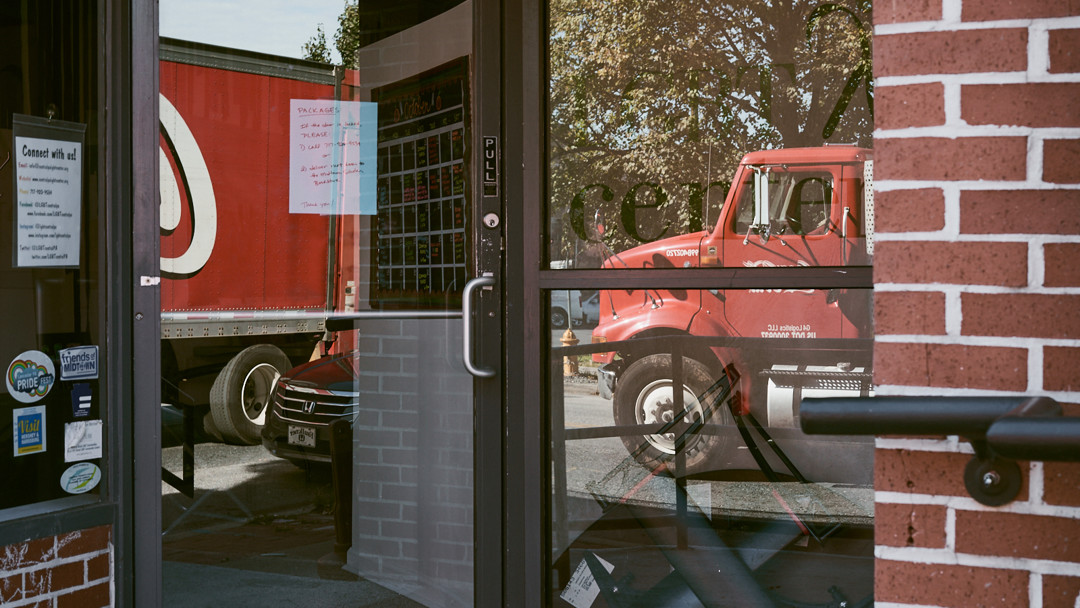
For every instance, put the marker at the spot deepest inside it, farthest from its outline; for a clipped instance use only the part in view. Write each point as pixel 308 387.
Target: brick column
pixel 66 571
pixel 977 286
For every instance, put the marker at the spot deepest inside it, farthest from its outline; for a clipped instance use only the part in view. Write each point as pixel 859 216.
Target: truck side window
pixel 809 211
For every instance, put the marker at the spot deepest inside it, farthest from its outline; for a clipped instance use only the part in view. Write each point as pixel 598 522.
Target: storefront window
pixel 710 180
pixel 654 106
pixel 53 429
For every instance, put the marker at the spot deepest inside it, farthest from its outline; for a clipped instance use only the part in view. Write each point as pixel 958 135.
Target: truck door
pixel 783 216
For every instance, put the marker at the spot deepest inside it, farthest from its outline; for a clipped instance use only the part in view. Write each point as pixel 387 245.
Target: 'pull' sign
pixel 491 165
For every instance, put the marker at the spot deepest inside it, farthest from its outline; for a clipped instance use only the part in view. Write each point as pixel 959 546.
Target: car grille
pixel 313 406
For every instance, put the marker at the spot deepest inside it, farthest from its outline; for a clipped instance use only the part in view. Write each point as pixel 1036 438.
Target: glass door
pixel 706 266
pixel 330 214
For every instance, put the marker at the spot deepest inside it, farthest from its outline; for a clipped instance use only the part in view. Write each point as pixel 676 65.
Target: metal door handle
pixel 466 317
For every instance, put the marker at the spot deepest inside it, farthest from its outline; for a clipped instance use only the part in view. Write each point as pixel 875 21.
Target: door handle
pixel 466 317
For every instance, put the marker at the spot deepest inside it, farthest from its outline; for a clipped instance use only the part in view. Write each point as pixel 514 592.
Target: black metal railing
pixel 1001 430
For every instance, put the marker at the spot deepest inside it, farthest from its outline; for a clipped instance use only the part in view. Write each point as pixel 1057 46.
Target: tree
pixel 346 38
pixel 315 49
pixel 652 105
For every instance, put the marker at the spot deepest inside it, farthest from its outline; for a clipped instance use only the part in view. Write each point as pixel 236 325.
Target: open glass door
pixel 329 290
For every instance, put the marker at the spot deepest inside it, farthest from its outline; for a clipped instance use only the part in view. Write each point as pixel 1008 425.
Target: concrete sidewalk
pixel 199 585
pixel 258 532
pixel 286 560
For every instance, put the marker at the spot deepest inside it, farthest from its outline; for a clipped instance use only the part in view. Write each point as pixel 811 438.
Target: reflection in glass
pixel 653 106
pixel 280 269
pixel 678 455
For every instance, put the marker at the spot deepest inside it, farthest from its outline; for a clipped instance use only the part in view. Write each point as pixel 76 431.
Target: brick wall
pixel 413 461
pixel 977 167
pixel 67 571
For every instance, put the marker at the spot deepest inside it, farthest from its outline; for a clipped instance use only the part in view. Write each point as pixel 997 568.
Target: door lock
pixel 491 220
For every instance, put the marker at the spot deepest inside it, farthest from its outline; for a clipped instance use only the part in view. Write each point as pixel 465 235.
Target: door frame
pixel 488 395
pixel 525 508
pixel 140 271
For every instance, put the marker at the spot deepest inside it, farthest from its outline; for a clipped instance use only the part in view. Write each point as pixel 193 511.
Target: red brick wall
pixel 68 571
pixel 977 272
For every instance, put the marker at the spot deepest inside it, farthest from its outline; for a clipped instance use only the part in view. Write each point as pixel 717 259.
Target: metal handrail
pixel 1001 430
pixel 1047 439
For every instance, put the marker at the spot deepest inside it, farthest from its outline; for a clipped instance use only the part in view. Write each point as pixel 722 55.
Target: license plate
pixel 302 435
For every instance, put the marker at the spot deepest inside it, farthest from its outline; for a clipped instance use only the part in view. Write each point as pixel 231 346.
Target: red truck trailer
pixel 246 283
pixel 810 207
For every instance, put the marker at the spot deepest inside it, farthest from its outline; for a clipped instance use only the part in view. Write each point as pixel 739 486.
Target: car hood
pixel 334 373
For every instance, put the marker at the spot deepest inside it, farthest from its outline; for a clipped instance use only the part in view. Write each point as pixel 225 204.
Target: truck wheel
pixel 559 318
pixel 644 394
pixel 241 392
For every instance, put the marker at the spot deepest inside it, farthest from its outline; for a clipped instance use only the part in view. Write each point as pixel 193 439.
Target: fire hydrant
pixel 569 366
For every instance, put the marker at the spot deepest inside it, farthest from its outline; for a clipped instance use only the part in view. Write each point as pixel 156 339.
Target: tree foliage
pixel 315 48
pixel 651 104
pixel 346 38
pixel 653 101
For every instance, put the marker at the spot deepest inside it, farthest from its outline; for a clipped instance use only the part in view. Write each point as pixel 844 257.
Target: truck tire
pixel 559 318
pixel 241 392
pixel 644 395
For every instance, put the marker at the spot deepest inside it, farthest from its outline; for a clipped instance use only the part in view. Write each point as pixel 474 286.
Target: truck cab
pixel 799 207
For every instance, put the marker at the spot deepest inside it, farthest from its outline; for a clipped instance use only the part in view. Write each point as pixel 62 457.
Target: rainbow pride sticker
pixel 30 376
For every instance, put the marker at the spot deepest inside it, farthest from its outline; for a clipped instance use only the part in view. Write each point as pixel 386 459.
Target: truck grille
pixel 318 408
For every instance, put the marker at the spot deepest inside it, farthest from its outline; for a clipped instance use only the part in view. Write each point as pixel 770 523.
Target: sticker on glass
pixel 30 376
pixel 82 440
pixel 79 363
pixel 80 478
pixel 82 397
pixel 29 430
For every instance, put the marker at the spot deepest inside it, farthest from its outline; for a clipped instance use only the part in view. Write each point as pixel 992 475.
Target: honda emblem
pixel 309 407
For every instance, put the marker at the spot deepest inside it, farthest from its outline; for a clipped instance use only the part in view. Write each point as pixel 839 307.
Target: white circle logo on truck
pixel 30 376
pixel 196 178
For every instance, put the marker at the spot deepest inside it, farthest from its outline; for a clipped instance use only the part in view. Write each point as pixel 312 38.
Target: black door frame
pixel 488 396
pixel 524 508
pixel 137 46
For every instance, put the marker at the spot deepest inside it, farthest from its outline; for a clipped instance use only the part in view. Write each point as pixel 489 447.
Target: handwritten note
pixel 332 167
pixel 48 174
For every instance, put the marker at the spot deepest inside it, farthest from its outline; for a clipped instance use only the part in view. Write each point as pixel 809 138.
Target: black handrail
pixel 1050 439
pixel 1001 430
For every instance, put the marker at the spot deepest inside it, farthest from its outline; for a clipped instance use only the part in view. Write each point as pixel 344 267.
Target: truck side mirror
pixel 761 224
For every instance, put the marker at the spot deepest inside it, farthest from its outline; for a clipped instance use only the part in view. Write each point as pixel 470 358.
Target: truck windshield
pixel 798 202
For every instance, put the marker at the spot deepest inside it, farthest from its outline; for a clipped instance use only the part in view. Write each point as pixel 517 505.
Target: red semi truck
pixel 246 285
pixel 810 207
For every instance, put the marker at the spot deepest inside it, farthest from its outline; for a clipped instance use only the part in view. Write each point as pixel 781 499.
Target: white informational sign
pixel 48 202
pixel 82 440
pixel 582 589
pixel 332 168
